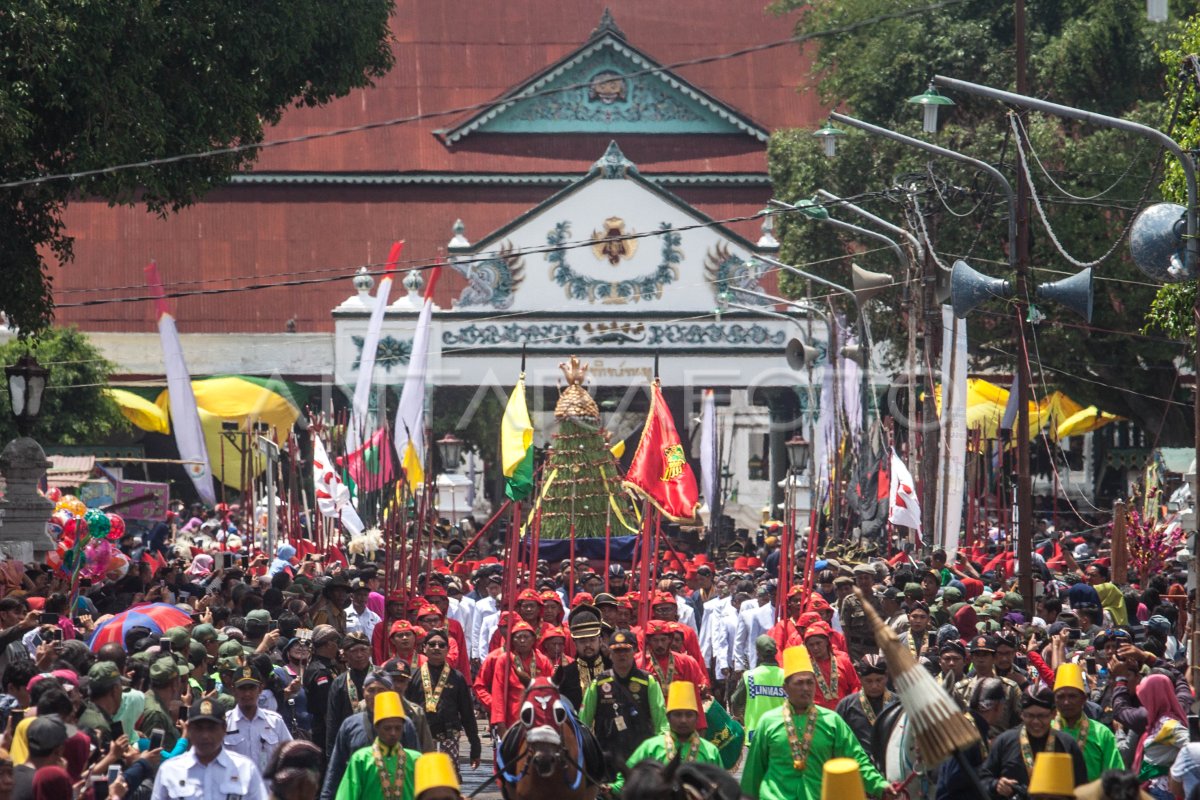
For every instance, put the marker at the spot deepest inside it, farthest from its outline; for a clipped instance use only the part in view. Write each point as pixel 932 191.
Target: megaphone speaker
pixel 855 353
pixel 942 287
pixel 970 289
pixel 800 355
pixel 1156 242
pixel 867 284
pixel 1074 292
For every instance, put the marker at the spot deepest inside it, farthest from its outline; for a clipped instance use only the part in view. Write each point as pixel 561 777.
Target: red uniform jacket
pixel 686 669
pixel 848 682
pixel 496 671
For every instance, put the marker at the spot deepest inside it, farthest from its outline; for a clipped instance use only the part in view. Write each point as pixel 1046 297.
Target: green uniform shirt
pixel 770 775
pixel 658 706
pixel 360 781
pixel 764 691
pixel 95 718
pixel 656 748
pixel 1100 752
pixel 155 716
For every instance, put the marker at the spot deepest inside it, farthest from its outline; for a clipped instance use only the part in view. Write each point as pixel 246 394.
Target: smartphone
pixel 48 619
pixel 164 643
pixel 55 635
pixel 273 625
pixel 183 713
pixel 227 560
pixel 118 729
pixel 210 685
pixel 99 787
pixel 114 772
pixel 156 738
pixel 16 715
pixel 1091 666
pixel 1073 634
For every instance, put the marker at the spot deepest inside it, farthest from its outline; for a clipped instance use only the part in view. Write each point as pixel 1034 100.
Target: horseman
pixel 834 673
pixel 504 676
pixel 861 709
pixel 666 666
pixel 681 739
pixel 794 741
pixel 624 705
pixel 574 678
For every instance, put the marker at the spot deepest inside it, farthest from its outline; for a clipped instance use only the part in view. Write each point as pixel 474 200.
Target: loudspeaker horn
pixel 855 353
pixel 941 288
pixel 1074 292
pixel 867 284
pixel 1156 242
pixel 801 355
pixel 970 289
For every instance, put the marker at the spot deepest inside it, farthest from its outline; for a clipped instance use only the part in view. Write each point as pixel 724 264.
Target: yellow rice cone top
pixel 842 780
pixel 681 696
pixel 1069 676
pixel 1053 776
pixel 796 659
pixel 388 706
pixel 434 771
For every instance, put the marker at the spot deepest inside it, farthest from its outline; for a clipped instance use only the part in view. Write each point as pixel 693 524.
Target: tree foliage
pixel 1100 55
pixel 95 83
pixel 76 409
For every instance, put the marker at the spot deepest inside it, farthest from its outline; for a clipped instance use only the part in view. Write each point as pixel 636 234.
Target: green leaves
pixel 96 83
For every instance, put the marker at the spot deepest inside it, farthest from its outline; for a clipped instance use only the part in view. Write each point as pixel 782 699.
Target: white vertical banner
pixel 333 496
pixel 709 462
pixel 952 458
pixel 185 419
pixel 852 390
pixel 904 507
pixel 360 419
pixel 409 431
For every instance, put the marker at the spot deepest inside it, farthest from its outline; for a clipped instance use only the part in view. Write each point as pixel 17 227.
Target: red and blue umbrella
pixel 158 617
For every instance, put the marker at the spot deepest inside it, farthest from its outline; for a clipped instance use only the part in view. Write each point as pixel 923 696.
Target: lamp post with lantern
pixel 450 451
pixel 23 462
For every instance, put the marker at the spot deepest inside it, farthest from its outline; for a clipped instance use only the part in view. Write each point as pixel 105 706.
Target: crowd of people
pixel 299 677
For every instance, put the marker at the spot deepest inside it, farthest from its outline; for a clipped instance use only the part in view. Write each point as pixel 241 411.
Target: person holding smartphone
pixel 105 687
pixel 165 691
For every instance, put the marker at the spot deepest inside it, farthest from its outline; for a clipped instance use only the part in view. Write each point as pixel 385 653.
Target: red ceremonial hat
pixel 663 599
pixel 521 626
pixel 657 626
pixel 795 590
pixel 554 632
pixel 550 596
pixel 435 590
pixel 674 627
pixel 699 559
pixel 625 602
pixel 490 560
pixel 395 596
pixel 583 598
pixel 529 595
pixel 402 626
pixel 753 562
pixel 634 596
pixel 463 568
pixel 816 629
pixel 439 565
pixel 808 618
pixel 691 573
pixel 740 563
pixel 818 603
pixel 428 610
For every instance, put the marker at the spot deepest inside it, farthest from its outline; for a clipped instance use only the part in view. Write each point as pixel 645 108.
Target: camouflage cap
pixel 207 633
pixel 230 648
pixel 164 670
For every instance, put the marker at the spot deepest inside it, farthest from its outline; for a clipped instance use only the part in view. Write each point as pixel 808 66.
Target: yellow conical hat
pixel 388 706
pixel 434 771
pixel 796 659
pixel 1053 776
pixel 842 780
pixel 1069 676
pixel 681 696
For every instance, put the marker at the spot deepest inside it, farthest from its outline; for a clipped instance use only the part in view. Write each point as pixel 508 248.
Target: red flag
pixel 659 470
pixel 336 554
pixel 303 548
pixel 371 466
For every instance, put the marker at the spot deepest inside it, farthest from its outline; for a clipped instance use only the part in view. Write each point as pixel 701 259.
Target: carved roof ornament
pixel 613 165
pixel 414 283
pixel 607 25
pixel 460 235
pixel 363 282
pixel 574 401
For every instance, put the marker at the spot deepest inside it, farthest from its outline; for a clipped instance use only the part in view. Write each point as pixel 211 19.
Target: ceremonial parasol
pixel 155 616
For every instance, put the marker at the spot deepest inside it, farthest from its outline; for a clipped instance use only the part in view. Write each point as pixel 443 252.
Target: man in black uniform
pixel 346 691
pixel 1010 760
pixel 318 679
pixel 861 709
pixel 444 694
pixel 573 679
pixel 624 706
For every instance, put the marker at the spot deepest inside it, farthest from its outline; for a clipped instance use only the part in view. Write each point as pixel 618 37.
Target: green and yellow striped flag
pixel 516 445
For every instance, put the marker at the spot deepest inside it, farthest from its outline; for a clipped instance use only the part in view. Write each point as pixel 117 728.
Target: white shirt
pixel 486 628
pixel 755 622
pixel 714 639
pixel 229 775
pixel 484 607
pixel 743 646
pixel 257 738
pixel 686 615
pixel 463 610
pixel 364 622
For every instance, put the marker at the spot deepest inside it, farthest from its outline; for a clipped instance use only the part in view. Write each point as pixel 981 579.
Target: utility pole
pixel 1024 482
pixel 931 430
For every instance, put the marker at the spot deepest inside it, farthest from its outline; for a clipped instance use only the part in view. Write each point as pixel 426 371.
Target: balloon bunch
pixel 83 539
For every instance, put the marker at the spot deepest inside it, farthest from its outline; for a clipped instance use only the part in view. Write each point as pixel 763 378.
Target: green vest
pixel 764 691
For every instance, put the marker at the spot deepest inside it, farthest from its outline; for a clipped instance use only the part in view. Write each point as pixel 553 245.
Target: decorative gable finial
pixel 613 165
pixel 460 235
pixel 607 25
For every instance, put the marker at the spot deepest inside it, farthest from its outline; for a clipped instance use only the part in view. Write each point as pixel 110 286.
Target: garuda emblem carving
pixel 609 243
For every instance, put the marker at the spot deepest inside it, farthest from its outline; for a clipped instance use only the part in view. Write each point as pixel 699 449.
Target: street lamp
pixel 26 383
pixel 450 449
pixel 798 450
pixel 930 100
pixel 829 138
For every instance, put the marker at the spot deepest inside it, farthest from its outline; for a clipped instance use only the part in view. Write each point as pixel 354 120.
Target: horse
pixel 897 756
pixel 547 753
pixel 651 780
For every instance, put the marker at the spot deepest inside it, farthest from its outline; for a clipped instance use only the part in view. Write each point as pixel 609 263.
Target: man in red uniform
pixel 665 608
pixel 437 597
pixel 380 644
pixel 835 674
pixel 665 666
pixel 788 632
pixel 504 675
pixel 429 618
pixel 402 638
